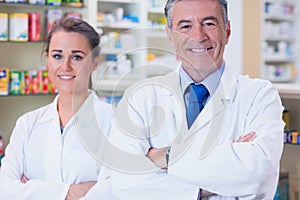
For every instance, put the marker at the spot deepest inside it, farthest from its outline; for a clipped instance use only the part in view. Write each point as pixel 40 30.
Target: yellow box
pixel 4 81
pixel 18 30
pixel 3 26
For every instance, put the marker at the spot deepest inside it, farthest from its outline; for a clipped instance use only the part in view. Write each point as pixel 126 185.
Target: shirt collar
pixel 211 82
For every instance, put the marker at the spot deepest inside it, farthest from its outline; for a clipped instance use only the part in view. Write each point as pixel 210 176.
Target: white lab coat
pixel 207 156
pixel 51 160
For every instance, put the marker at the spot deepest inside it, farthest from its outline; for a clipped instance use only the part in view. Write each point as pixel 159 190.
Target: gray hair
pixel 170 5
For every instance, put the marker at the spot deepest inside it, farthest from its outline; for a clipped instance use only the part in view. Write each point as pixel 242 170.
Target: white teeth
pixel 200 50
pixel 66 77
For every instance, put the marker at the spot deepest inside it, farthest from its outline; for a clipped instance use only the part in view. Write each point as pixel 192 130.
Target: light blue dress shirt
pixel 211 82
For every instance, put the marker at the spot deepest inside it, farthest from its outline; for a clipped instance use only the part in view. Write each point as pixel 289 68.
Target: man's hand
pixel 24 179
pixel 158 157
pixel 76 191
pixel 249 137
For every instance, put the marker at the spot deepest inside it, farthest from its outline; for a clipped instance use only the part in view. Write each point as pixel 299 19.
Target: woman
pixel 46 158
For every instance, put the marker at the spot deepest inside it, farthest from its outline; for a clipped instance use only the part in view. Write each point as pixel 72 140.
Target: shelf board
pixel 288 90
pixel 22 42
pixel 273 17
pixel 119 1
pixel 279 39
pixel 44 5
pixel 290 2
pixel 27 95
pixel 158 35
pixel 155 10
pixel 115 85
pixel 118 25
pixel 117 51
pixel 277 58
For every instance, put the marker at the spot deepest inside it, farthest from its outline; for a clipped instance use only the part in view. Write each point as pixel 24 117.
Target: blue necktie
pixel 196 95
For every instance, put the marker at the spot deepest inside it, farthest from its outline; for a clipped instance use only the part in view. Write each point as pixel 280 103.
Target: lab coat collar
pixel 52 112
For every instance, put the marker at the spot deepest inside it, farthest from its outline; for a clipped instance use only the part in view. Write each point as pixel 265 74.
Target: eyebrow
pixel 204 19
pixel 183 21
pixel 73 51
pixel 211 18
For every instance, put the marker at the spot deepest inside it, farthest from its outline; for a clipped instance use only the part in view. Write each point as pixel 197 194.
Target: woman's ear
pixel 96 62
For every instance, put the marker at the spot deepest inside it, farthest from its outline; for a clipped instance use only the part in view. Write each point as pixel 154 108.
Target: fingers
pixel 205 193
pixel 249 137
pixel 24 179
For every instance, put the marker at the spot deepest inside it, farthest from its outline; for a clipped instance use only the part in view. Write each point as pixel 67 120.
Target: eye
pixel 209 24
pixel 57 56
pixel 185 27
pixel 77 57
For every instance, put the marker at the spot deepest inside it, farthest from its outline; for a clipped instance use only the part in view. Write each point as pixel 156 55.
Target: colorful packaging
pixel 2 148
pixel 28 86
pixel 15 82
pixel 37 1
pixel 54 2
pixel 34 81
pixel 51 16
pixel 75 3
pixel 46 82
pixel 3 26
pixel 4 81
pixel 18 27
pixel 34 26
pixel 73 15
pixel 22 82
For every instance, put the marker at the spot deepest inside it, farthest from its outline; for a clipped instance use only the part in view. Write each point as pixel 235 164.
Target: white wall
pixel 234 49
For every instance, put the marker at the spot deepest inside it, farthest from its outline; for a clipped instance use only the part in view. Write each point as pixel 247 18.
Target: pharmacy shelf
pixel 155 10
pixel 117 51
pixel 27 95
pixel 290 18
pixel 118 25
pixel 278 39
pixel 288 90
pixel 278 59
pixel 158 35
pixel 43 5
pixel 119 1
pixel 111 85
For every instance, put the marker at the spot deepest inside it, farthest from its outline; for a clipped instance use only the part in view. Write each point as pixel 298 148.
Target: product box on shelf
pixel 75 3
pixel 2 148
pixel 73 15
pixel 3 26
pixel 51 16
pixel 4 81
pixel 34 26
pixel 15 79
pixel 18 27
pixel 37 1
pixel 54 2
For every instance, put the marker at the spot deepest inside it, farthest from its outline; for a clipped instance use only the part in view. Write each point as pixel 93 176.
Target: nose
pixel 66 64
pixel 199 34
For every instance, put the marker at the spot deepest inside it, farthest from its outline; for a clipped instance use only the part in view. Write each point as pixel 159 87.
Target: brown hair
pixel 76 25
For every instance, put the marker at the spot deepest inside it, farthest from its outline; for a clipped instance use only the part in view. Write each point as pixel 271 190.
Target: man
pixel 230 148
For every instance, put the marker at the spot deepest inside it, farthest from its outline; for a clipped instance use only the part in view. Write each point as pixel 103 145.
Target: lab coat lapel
pixel 213 114
pixel 176 96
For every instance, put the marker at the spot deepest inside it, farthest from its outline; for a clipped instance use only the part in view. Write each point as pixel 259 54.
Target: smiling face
pixel 70 62
pixel 199 36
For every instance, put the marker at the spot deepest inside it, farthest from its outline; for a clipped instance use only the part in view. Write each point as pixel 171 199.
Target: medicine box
pixel 4 81
pixel 3 26
pixel 54 2
pixel 51 16
pixel 18 27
